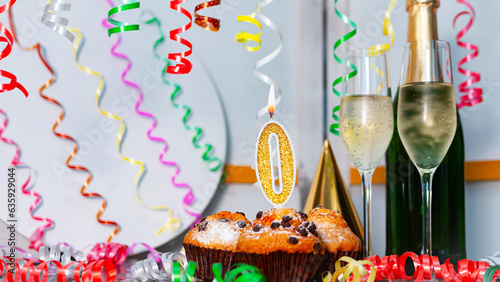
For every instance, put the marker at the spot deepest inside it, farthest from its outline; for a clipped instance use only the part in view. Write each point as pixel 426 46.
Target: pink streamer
pixel 472 96
pixel 36 238
pixel 115 252
pixel 189 197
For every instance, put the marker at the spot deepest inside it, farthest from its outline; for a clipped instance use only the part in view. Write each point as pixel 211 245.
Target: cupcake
pixel 283 245
pixel 214 240
pixel 338 238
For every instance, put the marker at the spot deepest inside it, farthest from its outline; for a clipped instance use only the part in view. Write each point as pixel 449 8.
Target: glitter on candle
pixel 286 162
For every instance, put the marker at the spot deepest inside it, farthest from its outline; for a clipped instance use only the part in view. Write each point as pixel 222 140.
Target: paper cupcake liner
pixel 283 266
pixel 206 257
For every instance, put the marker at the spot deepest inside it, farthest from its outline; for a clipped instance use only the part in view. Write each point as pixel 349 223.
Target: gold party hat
pixel 328 190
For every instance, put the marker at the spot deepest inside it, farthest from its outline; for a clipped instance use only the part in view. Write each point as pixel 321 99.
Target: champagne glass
pixel 427 117
pixel 366 120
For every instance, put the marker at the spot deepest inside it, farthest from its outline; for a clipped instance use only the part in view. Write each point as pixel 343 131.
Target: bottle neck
pixel 422 20
pixel 421 26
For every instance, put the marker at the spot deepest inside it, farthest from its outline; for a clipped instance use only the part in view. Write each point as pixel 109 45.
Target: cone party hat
pixel 328 190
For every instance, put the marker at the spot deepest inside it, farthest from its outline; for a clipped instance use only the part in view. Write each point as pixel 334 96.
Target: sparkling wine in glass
pixel 366 120
pixel 427 117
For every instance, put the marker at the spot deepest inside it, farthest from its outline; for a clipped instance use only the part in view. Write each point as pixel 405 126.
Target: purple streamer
pixel 189 197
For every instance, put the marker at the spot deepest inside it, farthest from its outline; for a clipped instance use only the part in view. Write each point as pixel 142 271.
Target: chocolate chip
pixel 312 227
pixel 196 225
pixel 303 214
pixel 302 230
pixel 305 224
pixel 286 224
pixel 203 219
pixel 257 228
pixel 317 246
pixel 336 211
pixel 242 213
pixel 203 226
pixel 293 240
pixel 286 218
pixel 318 206
pixel 259 214
pixel 241 223
pixel 275 224
pixel 223 220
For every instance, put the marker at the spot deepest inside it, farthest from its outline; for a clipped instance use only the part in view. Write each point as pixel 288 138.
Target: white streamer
pixel 149 268
pixel 55 22
pixel 492 260
pixel 260 63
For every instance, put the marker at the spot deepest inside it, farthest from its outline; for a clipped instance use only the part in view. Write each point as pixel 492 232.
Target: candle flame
pixel 271 102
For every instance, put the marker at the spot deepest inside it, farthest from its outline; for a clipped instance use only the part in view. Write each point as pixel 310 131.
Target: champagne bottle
pixel 404 189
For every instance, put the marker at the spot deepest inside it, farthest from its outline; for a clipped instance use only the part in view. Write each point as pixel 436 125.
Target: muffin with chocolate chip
pixel 283 244
pixel 214 240
pixel 338 238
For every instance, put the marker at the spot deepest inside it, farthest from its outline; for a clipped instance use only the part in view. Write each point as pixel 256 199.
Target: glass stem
pixel 426 178
pixel 366 178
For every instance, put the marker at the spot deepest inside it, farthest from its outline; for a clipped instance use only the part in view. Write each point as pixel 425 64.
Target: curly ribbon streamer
pixel 205 22
pixel 55 22
pixel 149 268
pixel 267 59
pixel 244 37
pixel 121 26
pixel 65 257
pixel 379 49
pixel 37 236
pixel 116 253
pixel 189 198
pixel 472 96
pixel 173 223
pixel 393 267
pixel 353 267
pixel 185 66
pixel 334 126
pixel 491 273
pixel 25 270
pixel 9 40
pixel 213 162
pixel 240 272
pixel 119 140
pixel 492 260
pixel 76 47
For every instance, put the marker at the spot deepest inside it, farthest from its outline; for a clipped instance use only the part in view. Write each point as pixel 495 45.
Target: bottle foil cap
pixel 410 3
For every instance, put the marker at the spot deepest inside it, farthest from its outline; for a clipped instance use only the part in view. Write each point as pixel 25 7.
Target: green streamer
pixel 488 275
pixel 244 273
pixel 213 162
pixel 121 26
pixel 334 126
pixel 240 272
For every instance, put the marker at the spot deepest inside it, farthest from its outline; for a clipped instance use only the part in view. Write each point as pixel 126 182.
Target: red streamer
pixel 8 38
pixel 27 271
pixel 393 267
pixel 473 95
pixel 185 66
pixel 37 236
pixel 205 22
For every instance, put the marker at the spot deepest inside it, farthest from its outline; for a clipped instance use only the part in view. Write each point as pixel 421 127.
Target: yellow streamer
pixel 76 47
pixel 244 37
pixel 354 267
pixel 379 49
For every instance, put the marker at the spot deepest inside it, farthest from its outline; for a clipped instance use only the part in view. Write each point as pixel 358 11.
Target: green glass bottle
pixel 404 189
